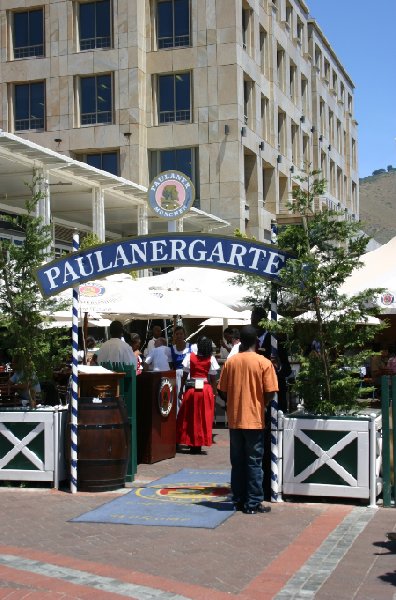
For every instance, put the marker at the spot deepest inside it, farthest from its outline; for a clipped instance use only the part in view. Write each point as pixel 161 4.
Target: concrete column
pixel 41 187
pixel 98 215
pixel 142 220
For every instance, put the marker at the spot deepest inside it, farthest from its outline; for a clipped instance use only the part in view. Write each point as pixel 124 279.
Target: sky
pixel 363 35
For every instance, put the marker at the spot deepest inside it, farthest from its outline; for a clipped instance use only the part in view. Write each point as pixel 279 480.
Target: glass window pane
pixel 184 162
pixel 179 159
pixel 21 30
pixel 110 162
pixel 165 20
pixel 104 92
pixel 21 102
pixel 182 91
pixel 88 104
pixel 168 160
pixel 37 100
pixel 87 20
pixel 103 18
pixel 36 27
pixel 94 160
pixel 166 93
pixel 182 18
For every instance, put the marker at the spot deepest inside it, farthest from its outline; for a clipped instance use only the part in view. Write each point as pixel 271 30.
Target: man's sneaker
pixel 260 508
pixel 391 536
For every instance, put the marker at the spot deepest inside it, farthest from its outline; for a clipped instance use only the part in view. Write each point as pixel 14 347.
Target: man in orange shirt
pixel 247 383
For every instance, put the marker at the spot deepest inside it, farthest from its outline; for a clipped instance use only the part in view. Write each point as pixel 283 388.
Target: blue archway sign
pixel 162 250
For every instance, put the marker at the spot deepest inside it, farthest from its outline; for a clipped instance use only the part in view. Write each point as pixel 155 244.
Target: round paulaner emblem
pixel 165 397
pixel 171 194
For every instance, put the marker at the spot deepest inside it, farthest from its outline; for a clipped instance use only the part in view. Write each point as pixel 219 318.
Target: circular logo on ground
pixel 92 290
pixel 387 299
pixel 171 194
pixel 165 397
pixel 186 493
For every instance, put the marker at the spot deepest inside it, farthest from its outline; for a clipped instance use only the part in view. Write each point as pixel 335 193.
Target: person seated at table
pixel 160 356
pixel 20 387
pixel 115 350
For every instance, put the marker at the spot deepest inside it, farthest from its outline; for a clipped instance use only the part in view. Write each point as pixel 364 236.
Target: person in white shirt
pixel 115 350
pixel 160 356
pixel 156 331
pixel 236 342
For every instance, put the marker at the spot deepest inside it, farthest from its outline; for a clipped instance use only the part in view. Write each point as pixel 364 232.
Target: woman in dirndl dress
pixel 197 394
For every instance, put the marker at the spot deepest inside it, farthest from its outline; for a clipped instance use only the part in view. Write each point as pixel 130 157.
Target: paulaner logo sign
pixel 170 250
pixel 171 194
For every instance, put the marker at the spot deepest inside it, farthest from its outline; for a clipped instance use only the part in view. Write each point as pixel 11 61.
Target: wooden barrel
pixel 104 443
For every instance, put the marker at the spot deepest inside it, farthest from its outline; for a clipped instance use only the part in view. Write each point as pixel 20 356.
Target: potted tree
pixel 35 347
pixel 326 445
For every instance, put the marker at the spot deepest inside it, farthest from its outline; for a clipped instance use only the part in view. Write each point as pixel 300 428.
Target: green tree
pixel 23 310
pixel 327 246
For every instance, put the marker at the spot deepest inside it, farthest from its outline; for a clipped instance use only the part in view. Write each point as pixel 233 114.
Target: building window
pixel 318 58
pixel 281 68
pixel 96 100
pixel 106 161
pixel 282 132
pixel 28 33
pixel 326 74
pixel 29 106
pixel 335 83
pixel 265 119
pixel 289 14
pixel 174 97
pixel 300 30
pixel 95 24
pixel 304 95
pixel 180 159
pixel 246 29
pixel 264 51
pixel 306 152
pixel 173 23
pixel 292 78
pixel 295 143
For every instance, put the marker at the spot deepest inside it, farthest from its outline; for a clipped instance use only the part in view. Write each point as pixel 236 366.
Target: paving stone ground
pixel 301 550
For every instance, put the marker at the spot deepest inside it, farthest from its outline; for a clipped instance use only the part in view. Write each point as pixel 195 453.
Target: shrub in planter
pixel 327 246
pixel 22 308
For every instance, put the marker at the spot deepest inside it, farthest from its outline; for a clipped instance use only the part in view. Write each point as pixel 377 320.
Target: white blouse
pixel 214 365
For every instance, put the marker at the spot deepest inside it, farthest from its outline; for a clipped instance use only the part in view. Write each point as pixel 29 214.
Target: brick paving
pixel 300 550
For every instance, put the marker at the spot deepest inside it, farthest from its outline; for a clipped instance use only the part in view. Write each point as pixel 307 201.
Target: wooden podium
pixel 156 416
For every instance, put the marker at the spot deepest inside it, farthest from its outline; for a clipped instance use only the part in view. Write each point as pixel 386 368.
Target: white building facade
pixel 241 95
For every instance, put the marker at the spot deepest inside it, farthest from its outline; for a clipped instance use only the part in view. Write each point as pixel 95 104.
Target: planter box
pixel 333 456
pixel 32 445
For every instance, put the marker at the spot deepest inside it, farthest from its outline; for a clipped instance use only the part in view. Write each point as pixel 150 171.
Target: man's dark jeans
pixel 246 454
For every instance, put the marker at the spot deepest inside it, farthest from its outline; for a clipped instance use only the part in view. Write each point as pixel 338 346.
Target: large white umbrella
pixel 214 283
pixel 378 271
pixel 122 297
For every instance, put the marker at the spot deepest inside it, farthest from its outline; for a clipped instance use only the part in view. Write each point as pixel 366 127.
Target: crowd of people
pixel 245 374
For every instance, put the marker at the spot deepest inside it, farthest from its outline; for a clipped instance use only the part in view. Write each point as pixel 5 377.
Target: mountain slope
pixel 378 206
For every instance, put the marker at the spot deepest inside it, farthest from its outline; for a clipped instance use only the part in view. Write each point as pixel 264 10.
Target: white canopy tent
pixel 378 271
pixel 310 317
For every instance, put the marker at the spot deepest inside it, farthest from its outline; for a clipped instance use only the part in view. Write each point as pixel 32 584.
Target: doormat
pixel 187 498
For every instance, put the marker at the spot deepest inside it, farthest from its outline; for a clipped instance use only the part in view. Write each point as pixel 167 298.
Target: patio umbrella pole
pixel 275 496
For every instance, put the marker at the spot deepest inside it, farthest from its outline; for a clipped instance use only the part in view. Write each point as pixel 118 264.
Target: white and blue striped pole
pixel 74 398
pixel 274 402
